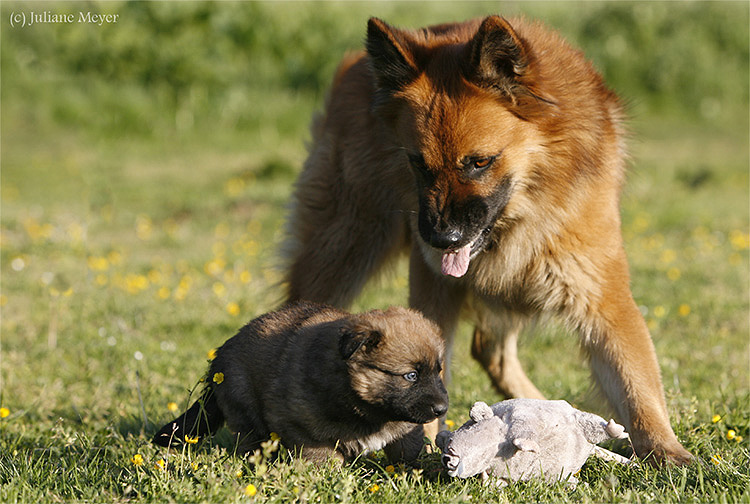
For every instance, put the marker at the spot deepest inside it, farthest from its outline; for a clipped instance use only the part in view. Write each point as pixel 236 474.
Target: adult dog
pixel 494 152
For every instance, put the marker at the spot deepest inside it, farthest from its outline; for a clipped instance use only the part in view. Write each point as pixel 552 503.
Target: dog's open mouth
pixel 455 263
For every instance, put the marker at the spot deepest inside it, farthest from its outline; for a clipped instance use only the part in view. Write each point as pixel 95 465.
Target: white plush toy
pixel 520 439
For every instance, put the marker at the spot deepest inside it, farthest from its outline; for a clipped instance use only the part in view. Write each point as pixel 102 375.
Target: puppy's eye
pixel 411 376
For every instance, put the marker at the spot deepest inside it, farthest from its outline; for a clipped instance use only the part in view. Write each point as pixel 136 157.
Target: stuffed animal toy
pixel 520 439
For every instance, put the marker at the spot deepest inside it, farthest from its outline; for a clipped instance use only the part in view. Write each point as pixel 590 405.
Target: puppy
pixel 329 383
pixel 493 154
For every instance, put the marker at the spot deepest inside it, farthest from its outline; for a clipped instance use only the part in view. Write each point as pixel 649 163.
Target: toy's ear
pixel 527 445
pixel 481 411
pixel 442 439
pixel 355 336
pixel 615 430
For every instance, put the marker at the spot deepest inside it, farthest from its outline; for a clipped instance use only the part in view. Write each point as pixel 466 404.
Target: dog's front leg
pixel 494 346
pixel 440 299
pixel 623 361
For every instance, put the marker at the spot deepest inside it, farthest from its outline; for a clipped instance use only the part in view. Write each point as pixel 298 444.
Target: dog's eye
pixel 411 376
pixel 482 163
pixel 474 166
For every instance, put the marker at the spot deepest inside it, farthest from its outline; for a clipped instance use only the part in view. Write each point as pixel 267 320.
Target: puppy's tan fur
pixel 329 383
pixel 496 137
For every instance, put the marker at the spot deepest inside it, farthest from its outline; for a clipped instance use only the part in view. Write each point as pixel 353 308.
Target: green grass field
pixel 145 171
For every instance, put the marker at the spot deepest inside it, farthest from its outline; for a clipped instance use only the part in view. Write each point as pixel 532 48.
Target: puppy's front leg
pixel 407 448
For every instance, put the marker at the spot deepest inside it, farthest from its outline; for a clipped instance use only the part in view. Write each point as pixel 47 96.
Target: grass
pixel 140 224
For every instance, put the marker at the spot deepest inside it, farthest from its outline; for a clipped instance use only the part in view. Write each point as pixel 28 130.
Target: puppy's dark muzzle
pixel 439 409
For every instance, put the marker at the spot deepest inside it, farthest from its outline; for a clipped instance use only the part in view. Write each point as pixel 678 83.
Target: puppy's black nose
pixel 439 409
pixel 445 239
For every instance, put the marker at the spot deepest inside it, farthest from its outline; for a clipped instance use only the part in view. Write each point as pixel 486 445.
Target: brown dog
pixel 494 152
pixel 327 382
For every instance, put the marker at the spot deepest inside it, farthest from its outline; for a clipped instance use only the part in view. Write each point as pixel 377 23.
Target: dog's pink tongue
pixel 456 263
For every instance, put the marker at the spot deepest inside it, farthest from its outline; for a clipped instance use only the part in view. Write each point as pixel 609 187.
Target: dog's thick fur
pixel 494 152
pixel 330 384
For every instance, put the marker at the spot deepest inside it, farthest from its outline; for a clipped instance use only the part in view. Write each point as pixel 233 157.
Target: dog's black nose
pixel 445 239
pixel 439 409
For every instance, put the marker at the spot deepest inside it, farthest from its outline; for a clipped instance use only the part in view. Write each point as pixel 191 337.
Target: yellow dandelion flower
pixel 668 256
pixel 659 311
pixel 250 490
pixel 3 299
pixel 160 464
pixel 239 473
pixel 684 310
pixel 739 439
pixel 163 292
pixel 211 354
pixel 641 222
pixel 234 186
pixel 96 263
pixel 219 289
pixel 218 378
pixel 716 459
pixel 222 230
pixel 191 440
pixel 674 274
pixel 245 277
pixel 171 227
pixel 68 292
pixel 172 406
pixel 274 436
pixel 101 280
pixel 715 418
pixel 390 469
pixel 731 434
pixel 137 459
pixel 186 282
pixel 135 283
pixel 740 240
pixel 114 257
pixel 450 424
pixel 374 488
pixel 4 412
pixel 143 227
pixel 214 267
pixel 194 465
pixel 219 248
pixel 154 276
pixel 252 248
pixel 233 309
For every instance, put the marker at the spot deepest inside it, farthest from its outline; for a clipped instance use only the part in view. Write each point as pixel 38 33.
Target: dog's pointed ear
pixel 354 337
pixel 497 56
pixel 392 59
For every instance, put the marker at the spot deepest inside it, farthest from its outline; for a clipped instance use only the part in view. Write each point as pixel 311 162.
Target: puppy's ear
pixel 354 337
pixel 392 60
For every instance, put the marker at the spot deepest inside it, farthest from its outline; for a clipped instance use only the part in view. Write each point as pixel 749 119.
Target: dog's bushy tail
pixel 202 418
